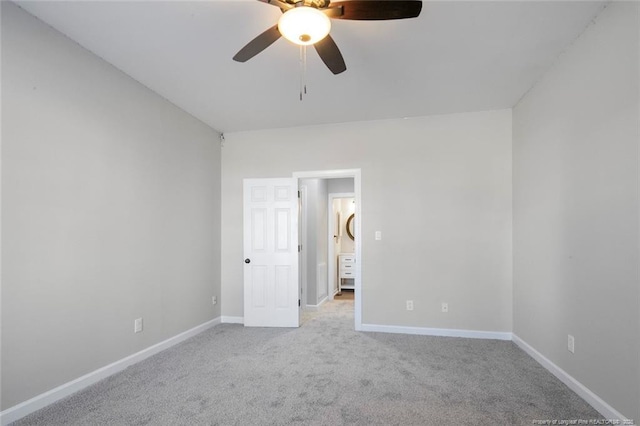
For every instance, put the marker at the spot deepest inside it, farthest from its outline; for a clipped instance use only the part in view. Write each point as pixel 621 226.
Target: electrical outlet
pixel 445 307
pixel 214 300
pixel 409 305
pixel 137 325
pixel 571 341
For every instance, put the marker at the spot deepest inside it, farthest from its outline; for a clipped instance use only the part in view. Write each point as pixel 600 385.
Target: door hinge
pixel 298 194
pixel 299 248
pixel 298 302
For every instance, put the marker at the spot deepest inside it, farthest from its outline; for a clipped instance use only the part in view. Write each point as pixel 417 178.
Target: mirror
pixel 350 226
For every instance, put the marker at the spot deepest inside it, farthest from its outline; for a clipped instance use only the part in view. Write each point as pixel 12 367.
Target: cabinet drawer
pixel 347 266
pixel 347 259
pixel 347 274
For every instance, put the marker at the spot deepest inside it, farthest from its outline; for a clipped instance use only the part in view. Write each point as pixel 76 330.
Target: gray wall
pixel 439 189
pixel 340 185
pixel 110 212
pixel 576 210
pixel 315 249
pixel 322 232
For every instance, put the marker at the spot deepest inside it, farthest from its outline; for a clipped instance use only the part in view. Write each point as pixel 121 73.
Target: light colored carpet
pixel 324 373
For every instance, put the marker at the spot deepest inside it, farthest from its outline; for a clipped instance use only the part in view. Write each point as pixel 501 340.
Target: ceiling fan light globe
pixel 304 25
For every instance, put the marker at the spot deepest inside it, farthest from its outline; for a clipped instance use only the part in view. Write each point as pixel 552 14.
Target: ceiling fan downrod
pixel 303 71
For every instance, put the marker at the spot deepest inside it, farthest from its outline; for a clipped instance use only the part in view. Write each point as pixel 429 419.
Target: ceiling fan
pixel 306 22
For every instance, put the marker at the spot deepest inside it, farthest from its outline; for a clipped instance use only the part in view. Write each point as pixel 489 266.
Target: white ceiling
pixel 456 57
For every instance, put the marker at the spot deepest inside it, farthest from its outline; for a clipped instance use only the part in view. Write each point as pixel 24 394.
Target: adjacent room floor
pixel 345 295
pixel 324 373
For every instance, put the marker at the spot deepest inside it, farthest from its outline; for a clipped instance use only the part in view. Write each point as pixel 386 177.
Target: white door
pixel 271 253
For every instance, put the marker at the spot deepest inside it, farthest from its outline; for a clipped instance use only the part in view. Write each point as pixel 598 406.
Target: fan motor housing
pixel 318 4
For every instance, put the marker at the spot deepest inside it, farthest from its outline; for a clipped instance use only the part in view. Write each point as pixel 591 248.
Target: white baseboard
pixel 607 411
pixel 314 308
pixel 333 293
pixel 27 407
pixel 232 320
pixel 472 334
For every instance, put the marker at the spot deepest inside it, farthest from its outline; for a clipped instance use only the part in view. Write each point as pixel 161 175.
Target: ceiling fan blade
pixel 333 12
pixel 281 4
pixel 258 44
pixel 375 10
pixel 330 55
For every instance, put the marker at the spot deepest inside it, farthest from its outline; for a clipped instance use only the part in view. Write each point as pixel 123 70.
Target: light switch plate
pixel 378 235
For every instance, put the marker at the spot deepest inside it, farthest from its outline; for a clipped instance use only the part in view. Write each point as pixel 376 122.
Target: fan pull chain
pixel 303 71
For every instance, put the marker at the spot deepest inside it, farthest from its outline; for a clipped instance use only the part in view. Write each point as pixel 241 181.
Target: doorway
pixel 341 245
pixel 331 267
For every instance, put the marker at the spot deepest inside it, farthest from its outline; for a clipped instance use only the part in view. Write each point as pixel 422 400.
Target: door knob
pixel 247 261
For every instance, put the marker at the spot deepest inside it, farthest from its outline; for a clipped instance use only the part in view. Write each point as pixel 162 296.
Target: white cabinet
pixel 346 270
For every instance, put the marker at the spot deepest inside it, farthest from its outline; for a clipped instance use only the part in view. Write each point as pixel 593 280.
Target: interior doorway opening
pixel 330 200
pixel 341 246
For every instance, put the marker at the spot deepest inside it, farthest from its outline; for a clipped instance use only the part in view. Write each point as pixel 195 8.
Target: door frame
pixel 357 185
pixel 302 242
